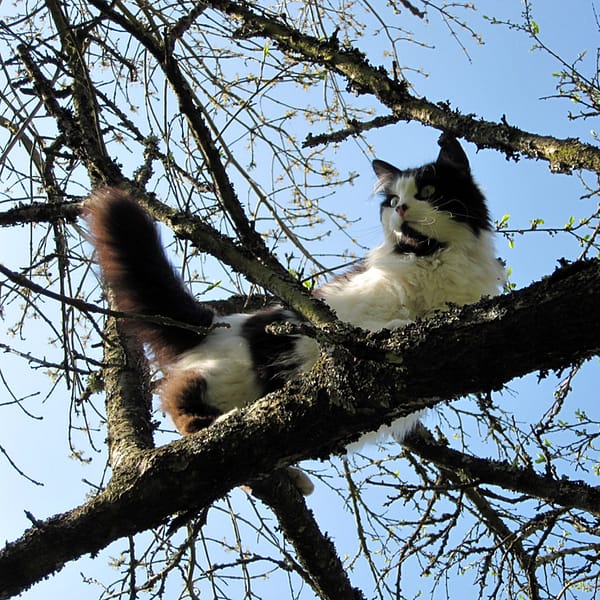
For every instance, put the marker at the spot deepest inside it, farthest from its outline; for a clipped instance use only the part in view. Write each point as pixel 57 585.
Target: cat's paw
pixel 301 480
pixel 226 415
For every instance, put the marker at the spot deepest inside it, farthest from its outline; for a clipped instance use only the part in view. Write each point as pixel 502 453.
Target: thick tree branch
pixel 563 492
pixel 128 398
pixel 564 155
pixel 474 349
pixel 315 550
pixel 271 275
pixel 40 213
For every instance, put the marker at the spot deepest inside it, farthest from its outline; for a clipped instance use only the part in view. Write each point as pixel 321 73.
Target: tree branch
pixel 315 550
pixel 564 155
pixel 191 109
pixel 271 275
pixel 38 212
pixel 128 397
pixel 474 349
pixel 99 165
pixel 564 492
pixel 355 128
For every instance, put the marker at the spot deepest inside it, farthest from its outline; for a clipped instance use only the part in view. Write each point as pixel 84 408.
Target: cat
pixel 437 249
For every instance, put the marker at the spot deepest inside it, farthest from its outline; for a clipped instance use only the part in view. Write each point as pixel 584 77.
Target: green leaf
pixel 535 28
pixel 536 222
pixel 503 223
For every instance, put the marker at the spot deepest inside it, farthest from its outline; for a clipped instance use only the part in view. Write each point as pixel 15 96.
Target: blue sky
pixel 504 77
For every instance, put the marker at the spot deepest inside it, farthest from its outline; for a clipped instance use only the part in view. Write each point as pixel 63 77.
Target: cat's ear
pixel 451 152
pixel 385 171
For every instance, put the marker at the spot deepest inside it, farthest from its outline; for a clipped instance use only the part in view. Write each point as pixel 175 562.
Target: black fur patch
pixel 414 242
pixel 182 396
pixel 450 176
pixel 269 350
pixel 455 193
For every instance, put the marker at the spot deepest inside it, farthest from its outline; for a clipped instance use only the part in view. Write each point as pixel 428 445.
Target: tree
pixel 203 109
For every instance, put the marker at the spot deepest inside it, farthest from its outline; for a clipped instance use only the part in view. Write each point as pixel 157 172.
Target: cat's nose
pixel 401 209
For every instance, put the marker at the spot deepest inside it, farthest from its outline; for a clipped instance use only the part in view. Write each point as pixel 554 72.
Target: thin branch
pixel 100 166
pixel 190 107
pixel 87 307
pixel 355 128
pixel 17 469
pixel 505 537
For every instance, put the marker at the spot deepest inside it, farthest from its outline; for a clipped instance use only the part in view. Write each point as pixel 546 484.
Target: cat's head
pixel 433 206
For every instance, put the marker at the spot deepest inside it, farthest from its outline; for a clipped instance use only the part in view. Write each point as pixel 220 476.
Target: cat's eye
pixel 427 191
pixel 394 201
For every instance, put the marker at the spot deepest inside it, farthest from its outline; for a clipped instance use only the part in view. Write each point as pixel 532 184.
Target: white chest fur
pixel 395 289
pixel 398 288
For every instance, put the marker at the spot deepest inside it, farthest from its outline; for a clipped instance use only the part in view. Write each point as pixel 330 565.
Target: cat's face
pixel 431 207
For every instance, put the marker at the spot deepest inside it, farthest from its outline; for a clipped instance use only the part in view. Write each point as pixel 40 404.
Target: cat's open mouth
pixel 409 240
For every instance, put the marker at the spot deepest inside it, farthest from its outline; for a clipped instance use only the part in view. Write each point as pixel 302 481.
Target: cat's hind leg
pixel 183 398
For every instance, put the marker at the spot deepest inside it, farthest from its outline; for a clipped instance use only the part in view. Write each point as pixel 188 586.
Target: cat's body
pixel 437 250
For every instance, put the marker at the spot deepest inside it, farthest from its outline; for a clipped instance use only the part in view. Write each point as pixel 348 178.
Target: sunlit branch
pixel 355 128
pixel 564 155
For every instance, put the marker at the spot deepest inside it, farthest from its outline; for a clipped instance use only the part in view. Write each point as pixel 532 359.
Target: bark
pixel 315 550
pixel 360 382
pixel 40 213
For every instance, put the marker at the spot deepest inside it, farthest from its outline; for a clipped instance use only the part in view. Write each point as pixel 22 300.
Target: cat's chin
pixel 395 236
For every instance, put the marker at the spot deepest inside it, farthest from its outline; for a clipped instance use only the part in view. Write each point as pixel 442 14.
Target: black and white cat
pixel 437 249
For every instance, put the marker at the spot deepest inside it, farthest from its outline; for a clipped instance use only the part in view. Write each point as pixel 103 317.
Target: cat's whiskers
pixel 453 213
pixel 426 221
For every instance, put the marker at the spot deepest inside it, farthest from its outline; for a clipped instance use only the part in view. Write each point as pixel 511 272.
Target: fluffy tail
pixel 138 272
